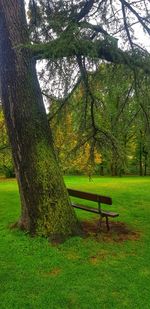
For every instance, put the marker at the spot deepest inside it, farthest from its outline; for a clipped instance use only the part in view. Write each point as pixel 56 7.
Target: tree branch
pixel 126 26
pixel 86 9
pixel 99 49
pixel 61 101
pixel 96 28
pixel 131 9
pixel 4 147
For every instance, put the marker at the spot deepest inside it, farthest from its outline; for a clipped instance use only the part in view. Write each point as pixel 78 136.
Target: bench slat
pixel 86 208
pixel 90 196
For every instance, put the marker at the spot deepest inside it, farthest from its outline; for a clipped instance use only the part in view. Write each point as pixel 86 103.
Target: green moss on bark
pixel 55 214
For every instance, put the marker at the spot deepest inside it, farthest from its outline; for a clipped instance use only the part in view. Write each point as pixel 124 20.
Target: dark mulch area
pixel 119 231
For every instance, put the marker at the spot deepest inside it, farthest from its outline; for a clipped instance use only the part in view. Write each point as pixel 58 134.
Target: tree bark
pixel 45 203
pixel 113 165
pixel 140 160
pixel 145 155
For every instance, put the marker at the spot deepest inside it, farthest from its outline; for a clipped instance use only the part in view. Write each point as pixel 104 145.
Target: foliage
pixel 62 32
pixel 6 165
pixel 72 159
pixel 104 103
pixel 106 120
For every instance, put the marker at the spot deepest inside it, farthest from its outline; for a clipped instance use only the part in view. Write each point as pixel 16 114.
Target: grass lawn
pixel 103 273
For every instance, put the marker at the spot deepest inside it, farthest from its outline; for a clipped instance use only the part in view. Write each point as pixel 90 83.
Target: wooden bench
pixel 100 199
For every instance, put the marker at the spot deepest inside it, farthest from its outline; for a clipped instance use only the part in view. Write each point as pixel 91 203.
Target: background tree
pixel 142 124
pixel 117 114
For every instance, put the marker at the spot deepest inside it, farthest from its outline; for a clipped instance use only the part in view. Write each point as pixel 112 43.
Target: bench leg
pixel 107 223
pixel 100 223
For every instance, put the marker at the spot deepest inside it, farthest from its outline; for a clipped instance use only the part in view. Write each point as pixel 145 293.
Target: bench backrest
pixel 90 196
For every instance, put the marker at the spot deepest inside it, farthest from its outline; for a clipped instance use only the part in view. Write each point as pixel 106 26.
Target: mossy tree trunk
pixel 44 199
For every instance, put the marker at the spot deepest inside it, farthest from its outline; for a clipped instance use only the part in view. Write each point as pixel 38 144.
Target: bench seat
pixel 109 214
pixel 95 210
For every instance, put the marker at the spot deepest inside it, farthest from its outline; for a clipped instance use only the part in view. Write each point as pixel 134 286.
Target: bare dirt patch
pixel 119 231
pixel 54 272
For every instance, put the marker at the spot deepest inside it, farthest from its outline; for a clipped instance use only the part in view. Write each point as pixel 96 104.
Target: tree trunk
pixel 145 155
pixel 101 169
pixel 113 165
pixel 45 203
pixel 140 160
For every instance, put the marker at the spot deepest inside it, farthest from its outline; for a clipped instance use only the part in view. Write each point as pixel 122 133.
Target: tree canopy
pixel 75 37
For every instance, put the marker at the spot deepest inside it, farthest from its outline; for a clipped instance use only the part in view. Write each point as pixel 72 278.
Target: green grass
pixel 81 273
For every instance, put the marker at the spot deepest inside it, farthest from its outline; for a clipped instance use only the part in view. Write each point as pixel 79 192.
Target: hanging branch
pixel 126 26
pixel 131 9
pixel 61 101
